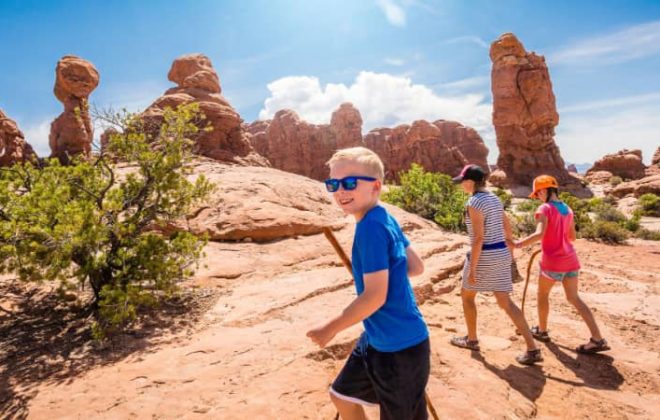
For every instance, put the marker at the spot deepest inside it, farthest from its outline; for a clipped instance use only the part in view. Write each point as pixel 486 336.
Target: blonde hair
pixel 363 156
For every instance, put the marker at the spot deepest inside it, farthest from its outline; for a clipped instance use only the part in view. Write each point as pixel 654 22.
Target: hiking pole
pixel 529 271
pixel 347 263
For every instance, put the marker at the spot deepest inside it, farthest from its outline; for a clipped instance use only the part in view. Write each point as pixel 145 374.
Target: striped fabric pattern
pixel 494 267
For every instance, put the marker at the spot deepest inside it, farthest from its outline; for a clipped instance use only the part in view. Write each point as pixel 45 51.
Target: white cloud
pixel 384 100
pixel 470 39
pixel 589 135
pixel 37 136
pixel 627 44
pixel 394 12
pixel 394 61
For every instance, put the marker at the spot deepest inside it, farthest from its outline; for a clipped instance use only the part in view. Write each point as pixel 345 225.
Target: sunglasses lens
pixel 332 185
pixel 349 183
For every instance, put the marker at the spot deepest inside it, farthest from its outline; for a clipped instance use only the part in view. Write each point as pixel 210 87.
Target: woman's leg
pixel 505 302
pixel 571 289
pixel 543 301
pixel 470 312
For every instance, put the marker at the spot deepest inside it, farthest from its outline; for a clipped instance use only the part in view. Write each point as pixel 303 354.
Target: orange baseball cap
pixel 542 182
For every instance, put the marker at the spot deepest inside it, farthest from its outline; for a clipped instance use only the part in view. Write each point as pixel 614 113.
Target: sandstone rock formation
pixel 261 204
pixel 649 184
pixel 654 168
pixel 72 132
pixel 441 146
pixel 599 177
pixel 572 168
pixel 525 116
pixel 13 147
pixel 626 164
pixel 294 145
pixel 198 82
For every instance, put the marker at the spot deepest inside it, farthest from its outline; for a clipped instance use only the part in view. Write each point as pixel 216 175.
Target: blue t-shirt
pixel 379 244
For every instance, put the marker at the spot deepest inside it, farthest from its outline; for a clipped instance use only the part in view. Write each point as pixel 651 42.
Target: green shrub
pixel 504 197
pixel 650 204
pixel 649 235
pixel 430 195
pixel 528 206
pixel 523 224
pixel 86 224
pixel 615 180
pixel 607 213
pixel 605 231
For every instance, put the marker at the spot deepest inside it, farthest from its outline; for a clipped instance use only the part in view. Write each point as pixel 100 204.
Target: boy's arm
pixel 415 263
pixel 373 297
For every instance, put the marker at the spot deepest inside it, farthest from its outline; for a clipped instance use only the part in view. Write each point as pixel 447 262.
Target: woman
pixel 555 229
pixel 488 264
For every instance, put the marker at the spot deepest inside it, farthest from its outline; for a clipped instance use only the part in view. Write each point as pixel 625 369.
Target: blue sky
pixel 397 60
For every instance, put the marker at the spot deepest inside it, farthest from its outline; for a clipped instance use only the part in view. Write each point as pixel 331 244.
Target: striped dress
pixel 494 267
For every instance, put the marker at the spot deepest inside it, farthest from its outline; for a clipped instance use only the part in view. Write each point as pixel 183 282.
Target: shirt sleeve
pixel 475 203
pixel 542 210
pixel 406 241
pixel 373 242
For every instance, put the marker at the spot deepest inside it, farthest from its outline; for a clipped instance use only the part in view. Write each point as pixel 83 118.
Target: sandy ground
pixel 247 356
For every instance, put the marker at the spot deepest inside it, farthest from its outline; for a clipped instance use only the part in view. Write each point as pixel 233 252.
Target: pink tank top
pixel 558 252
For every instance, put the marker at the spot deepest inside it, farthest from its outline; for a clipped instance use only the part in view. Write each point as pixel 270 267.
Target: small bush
pixel 650 204
pixel 528 206
pixel 523 224
pixel 649 235
pixel 430 195
pixel 632 224
pixel 615 180
pixel 605 231
pixel 607 213
pixel 504 197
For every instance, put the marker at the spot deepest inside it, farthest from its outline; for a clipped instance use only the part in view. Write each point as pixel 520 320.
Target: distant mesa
pixel 525 116
pixel 294 145
pixel 439 146
pixel 72 132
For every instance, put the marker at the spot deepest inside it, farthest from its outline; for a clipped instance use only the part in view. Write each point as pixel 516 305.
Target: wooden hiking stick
pixel 347 263
pixel 529 271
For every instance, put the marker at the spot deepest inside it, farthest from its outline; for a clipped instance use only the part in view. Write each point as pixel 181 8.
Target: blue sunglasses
pixel 349 183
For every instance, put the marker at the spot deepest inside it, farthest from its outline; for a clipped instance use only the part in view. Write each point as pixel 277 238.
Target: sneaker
pixel 539 335
pixel 530 357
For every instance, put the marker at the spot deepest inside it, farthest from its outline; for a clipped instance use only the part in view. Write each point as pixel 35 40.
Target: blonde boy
pixel 390 363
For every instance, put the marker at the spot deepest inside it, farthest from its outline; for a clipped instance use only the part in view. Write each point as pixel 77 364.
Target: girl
pixel 559 262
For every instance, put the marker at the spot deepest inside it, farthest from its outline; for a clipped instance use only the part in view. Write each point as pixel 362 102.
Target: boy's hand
pixel 321 335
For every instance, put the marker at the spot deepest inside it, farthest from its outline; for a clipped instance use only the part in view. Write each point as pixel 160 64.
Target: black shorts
pixel 394 380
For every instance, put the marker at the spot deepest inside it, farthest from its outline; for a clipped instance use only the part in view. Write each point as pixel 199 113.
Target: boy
pixel 390 363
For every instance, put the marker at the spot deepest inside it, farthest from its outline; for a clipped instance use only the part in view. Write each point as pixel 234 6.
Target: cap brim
pixel 533 194
pixel 457 179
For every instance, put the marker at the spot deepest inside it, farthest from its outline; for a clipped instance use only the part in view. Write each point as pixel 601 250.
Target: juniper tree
pixel 98 222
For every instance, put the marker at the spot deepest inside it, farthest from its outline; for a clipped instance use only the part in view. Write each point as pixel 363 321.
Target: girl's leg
pixel 571 289
pixel 505 302
pixel 470 312
pixel 543 301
